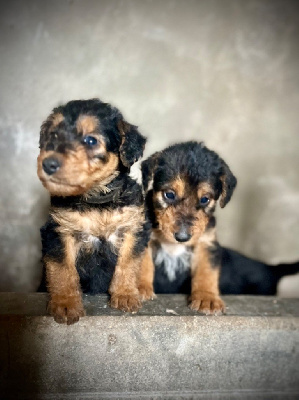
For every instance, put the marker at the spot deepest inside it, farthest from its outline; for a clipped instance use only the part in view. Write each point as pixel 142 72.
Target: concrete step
pixel 164 351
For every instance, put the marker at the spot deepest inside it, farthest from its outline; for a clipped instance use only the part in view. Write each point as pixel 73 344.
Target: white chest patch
pixel 91 240
pixel 174 258
pixel 114 239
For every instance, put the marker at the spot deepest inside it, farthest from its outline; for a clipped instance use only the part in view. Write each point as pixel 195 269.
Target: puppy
pixel 243 275
pixel 183 184
pixel 238 274
pixel 96 231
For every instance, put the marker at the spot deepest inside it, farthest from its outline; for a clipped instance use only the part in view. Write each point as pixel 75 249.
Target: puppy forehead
pixel 205 188
pixel 191 159
pixel 64 129
pixel 179 186
pixel 185 187
pixel 87 124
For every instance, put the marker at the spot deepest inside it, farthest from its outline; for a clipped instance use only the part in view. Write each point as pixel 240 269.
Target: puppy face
pixel 183 183
pixel 84 143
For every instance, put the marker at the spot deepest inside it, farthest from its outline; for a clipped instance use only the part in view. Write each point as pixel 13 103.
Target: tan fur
pixel 124 281
pixel 96 223
pixel 107 223
pixel 146 277
pixel 64 286
pixel 87 124
pixel 178 186
pixel 77 174
pixel 204 284
pixel 101 186
pixel 224 190
pixel 167 218
pixel 208 237
pixel 205 189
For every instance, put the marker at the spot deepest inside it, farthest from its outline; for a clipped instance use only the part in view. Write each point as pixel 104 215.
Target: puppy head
pixel 85 143
pixel 183 184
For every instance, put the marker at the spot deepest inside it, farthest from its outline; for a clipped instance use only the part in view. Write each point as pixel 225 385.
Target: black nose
pixel 50 165
pixel 182 236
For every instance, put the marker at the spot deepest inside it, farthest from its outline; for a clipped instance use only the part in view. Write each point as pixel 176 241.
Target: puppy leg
pixel 146 277
pixel 64 286
pixel 123 288
pixel 204 284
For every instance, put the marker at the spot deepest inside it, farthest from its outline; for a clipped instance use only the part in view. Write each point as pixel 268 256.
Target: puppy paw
pixel 125 302
pixel 66 310
pixel 146 292
pixel 207 303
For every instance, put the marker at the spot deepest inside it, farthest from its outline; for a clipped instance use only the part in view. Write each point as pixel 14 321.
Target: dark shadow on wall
pixel 24 275
pixel 21 359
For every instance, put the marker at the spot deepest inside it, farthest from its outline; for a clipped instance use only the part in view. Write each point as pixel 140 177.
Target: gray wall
pixel 224 71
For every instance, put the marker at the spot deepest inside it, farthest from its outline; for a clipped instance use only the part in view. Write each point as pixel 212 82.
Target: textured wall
pixel 224 71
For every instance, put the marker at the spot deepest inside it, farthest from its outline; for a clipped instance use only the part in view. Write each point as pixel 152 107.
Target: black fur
pixel 129 193
pixel 143 237
pixel 96 269
pixel 243 275
pixel 238 275
pixel 202 164
pixel 132 147
pixel 51 242
pixel 181 284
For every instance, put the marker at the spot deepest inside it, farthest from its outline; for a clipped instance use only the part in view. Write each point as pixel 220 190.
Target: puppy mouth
pixel 59 182
pixel 57 187
pixel 48 180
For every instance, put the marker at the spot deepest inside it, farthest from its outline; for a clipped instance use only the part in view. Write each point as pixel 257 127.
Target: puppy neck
pixel 106 191
pixel 103 185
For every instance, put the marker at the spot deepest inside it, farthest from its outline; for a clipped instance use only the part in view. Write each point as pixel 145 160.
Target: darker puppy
pixel 183 184
pixel 238 274
pixel 243 275
pixel 96 231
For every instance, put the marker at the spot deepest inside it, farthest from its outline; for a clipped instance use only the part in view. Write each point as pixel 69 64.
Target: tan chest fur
pixel 99 223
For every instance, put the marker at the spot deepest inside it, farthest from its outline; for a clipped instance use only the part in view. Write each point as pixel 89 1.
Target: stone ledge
pixel 35 304
pixel 163 351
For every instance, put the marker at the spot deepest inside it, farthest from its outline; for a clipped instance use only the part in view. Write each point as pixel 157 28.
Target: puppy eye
pixel 169 195
pixel 204 201
pixel 90 141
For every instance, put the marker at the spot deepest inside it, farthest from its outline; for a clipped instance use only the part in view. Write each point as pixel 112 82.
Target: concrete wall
pixel 224 71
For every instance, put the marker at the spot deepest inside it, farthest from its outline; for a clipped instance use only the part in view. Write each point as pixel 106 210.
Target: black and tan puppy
pixel 96 232
pixel 183 184
pixel 238 274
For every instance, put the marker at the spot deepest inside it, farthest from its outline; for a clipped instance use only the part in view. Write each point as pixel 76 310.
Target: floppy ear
pixel 132 143
pixel 148 167
pixel 229 182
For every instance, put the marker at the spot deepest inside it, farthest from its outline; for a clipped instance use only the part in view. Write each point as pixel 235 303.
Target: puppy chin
pixel 62 189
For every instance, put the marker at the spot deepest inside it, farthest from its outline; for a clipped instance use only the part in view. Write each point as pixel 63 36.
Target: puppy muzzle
pixel 51 165
pixel 182 235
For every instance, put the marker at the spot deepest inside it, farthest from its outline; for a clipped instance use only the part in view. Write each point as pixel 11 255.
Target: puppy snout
pixel 182 236
pixel 51 165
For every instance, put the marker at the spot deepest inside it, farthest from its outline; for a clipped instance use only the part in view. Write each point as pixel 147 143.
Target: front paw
pixel 146 292
pixel 125 302
pixel 207 303
pixel 66 310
